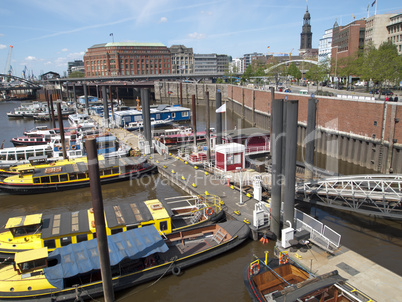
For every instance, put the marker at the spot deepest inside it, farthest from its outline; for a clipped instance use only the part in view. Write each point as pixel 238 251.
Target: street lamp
pixel 241 195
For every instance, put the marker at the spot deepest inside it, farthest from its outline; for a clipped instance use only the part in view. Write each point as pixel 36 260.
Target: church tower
pixel 306 35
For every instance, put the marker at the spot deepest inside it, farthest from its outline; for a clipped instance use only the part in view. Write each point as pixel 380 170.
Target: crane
pixel 8 68
pixel 24 72
pixel 283 53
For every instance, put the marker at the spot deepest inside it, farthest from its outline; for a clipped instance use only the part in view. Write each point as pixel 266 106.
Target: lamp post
pixel 241 194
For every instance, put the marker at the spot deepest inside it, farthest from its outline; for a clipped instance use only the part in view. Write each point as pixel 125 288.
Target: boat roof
pixel 55 225
pixel 82 167
pixel 79 258
pixel 15 222
pixel 31 255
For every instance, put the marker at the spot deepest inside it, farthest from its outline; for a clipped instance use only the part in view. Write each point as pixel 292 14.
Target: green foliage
pixel 294 71
pixel 76 74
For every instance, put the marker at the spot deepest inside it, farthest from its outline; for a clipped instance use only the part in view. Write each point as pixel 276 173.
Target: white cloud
pixel 163 20
pixel 64 49
pixel 196 36
pixel 3 46
pixel 31 58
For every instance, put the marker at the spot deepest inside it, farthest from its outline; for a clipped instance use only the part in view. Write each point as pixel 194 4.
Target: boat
pixel 180 136
pixel 21 155
pixel 73 176
pixel 31 140
pixel 154 123
pixel 35 231
pixel 273 279
pixel 72 273
pixel 176 113
pixel 81 120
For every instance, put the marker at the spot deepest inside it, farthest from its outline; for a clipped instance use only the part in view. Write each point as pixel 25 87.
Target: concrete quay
pixel 365 279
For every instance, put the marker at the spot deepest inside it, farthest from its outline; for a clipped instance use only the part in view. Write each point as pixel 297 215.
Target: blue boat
pixel 174 113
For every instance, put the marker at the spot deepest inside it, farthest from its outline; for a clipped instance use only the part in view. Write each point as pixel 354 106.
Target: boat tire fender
pixel 176 270
pixel 73 147
pixel 209 211
pixel 255 269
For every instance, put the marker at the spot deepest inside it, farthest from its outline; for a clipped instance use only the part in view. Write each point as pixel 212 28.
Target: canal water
pixel 219 279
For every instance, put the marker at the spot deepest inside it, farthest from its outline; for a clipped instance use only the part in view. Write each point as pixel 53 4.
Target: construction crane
pixel 283 53
pixel 24 72
pixel 8 69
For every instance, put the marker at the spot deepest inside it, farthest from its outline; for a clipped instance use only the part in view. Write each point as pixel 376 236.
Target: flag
pixel 268 46
pixel 353 16
pixel 221 109
pixel 372 4
pixel 111 34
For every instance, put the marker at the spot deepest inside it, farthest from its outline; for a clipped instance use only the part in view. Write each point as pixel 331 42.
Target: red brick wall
pixel 350 116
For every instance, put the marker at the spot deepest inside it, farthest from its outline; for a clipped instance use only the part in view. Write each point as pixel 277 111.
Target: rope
pixel 153 283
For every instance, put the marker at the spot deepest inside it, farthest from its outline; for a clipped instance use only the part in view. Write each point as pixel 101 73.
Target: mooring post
pixel 290 161
pixel 61 127
pixel 208 136
pixel 218 100
pixel 97 205
pixel 310 138
pixel 86 98
pixel 194 120
pixel 277 176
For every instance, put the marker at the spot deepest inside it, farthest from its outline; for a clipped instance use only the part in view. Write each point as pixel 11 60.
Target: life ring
pixel 255 268
pixel 93 224
pixel 59 148
pixel 73 147
pixel 209 211
pixel 176 270
pixel 284 259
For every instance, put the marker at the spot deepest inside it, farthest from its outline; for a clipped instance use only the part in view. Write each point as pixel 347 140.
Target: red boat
pixel 31 140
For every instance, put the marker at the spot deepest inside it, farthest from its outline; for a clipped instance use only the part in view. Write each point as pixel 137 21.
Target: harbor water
pixel 219 279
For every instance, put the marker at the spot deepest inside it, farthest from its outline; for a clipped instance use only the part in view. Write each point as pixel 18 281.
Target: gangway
pixel 377 194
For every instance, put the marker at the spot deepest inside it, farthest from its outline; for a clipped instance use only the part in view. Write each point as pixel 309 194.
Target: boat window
pixel 11 156
pixel 31 265
pixel 30 154
pixel 72 176
pixel 115 231
pixel 81 175
pixel 20 155
pixel 49 153
pixel 163 226
pixel 131 227
pixel 184 114
pixel 2 156
pixel 38 152
pixel 54 178
pixel 63 177
pixel 45 179
pixel 173 114
pixel 50 244
pixel 115 170
pixel 65 241
pixel 82 237
pixel 36 180
pixel 107 172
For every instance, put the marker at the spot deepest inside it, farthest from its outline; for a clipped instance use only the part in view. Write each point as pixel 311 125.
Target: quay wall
pixel 362 132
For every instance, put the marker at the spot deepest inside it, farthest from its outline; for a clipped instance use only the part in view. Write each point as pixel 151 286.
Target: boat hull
pixel 239 232
pixel 24 189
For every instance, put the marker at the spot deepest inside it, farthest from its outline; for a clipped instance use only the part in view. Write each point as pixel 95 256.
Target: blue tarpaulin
pixel 79 258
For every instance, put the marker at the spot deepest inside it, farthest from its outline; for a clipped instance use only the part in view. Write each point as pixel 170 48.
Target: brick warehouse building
pixel 127 58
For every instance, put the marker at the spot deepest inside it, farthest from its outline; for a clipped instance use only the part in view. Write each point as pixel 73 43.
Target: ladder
pixel 219 236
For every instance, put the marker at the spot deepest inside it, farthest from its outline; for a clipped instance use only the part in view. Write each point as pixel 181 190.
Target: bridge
pixel 28 84
pixel 377 194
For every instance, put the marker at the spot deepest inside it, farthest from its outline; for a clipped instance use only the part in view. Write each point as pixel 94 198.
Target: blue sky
pixel 46 34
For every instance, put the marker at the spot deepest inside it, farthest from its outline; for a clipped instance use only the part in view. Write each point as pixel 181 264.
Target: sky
pixel 46 34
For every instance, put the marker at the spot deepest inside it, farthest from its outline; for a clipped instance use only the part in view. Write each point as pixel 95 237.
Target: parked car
pixel 387 92
pixel 288 90
pixel 374 91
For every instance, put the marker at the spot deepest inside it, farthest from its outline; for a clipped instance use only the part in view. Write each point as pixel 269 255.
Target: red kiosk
pixel 230 156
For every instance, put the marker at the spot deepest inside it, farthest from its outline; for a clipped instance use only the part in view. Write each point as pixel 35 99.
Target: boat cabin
pixel 24 225
pixel 230 156
pixel 28 261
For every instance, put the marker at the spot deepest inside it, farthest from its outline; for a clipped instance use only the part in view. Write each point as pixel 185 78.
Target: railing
pixel 251 150
pixel 320 234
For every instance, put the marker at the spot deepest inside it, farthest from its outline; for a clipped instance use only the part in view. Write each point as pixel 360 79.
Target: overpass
pixel 373 194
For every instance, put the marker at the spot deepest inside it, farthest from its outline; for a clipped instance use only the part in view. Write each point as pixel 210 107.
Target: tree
pixel 318 73
pixel 294 71
pixel 76 74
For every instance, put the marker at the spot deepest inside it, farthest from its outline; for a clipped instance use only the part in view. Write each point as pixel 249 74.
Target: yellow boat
pixel 57 230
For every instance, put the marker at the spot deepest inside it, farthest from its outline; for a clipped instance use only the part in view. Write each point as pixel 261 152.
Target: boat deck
pixel 368 280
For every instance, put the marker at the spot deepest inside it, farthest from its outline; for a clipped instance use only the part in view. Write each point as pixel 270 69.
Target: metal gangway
pixel 375 194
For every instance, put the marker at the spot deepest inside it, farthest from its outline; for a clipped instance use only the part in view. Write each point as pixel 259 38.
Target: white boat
pixel 154 123
pixel 21 155
pixel 81 120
